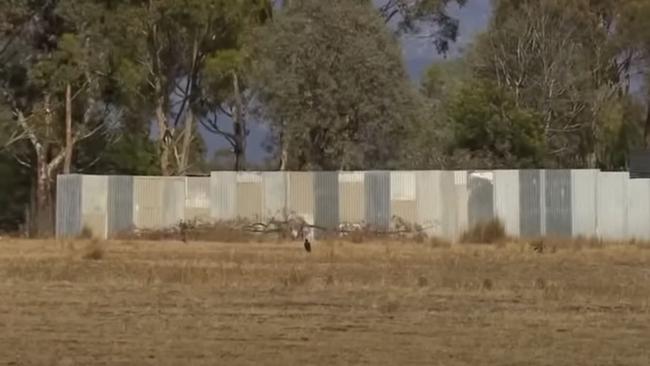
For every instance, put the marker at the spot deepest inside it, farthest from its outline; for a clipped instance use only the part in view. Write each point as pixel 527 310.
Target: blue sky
pixel 418 54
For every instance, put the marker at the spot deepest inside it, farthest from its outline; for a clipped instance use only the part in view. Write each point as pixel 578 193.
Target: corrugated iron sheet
pixel 506 199
pixel 448 211
pixel 197 198
pixel 223 188
pixel 173 201
pixel 148 202
pixel 250 196
pixel 530 203
pixel 377 197
pixel 480 185
pixel 301 195
pixel 94 205
pixel 352 197
pixel 428 201
pixel 120 205
pixel 403 189
pixel 558 203
pixel 611 205
pixel 68 206
pixel 326 200
pixel 275 194
pixel 462 202
pixel 638 217
pixel 583 202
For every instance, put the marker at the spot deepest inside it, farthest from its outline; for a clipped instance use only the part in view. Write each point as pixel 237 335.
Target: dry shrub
pixel 389 305
pixel 439 243
pixel 85 233
pixel 488 232
pixel 295 277
pixel 94 250
pixel 222 232
pixel 487 284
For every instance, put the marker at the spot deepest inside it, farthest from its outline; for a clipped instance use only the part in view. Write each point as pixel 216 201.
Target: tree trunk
pixel 239 127
pixel 44 221
pixel 187 142
pixel 284 157
pixel 646 132
pixel 165 137
pixel 67 165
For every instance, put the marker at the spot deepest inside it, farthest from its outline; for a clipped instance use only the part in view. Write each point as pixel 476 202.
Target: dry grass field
pixel 146 303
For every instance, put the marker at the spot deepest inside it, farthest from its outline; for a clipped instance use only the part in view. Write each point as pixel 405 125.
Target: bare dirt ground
pixel 138 303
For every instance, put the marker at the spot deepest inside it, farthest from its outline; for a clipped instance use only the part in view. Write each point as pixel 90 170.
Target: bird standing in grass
pixel 307 245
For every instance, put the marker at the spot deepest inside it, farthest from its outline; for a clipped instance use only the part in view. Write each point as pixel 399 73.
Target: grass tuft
pixel 94 251
pixel 488 232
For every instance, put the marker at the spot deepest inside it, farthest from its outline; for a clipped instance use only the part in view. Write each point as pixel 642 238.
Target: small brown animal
pixel 307 245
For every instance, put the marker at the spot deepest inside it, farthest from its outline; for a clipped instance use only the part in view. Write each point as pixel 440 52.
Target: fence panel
pixel 250 196
pixel 583 202
pixel 377 195
pixel 94 208
pixel 326 200
pixel 480 185
pixel 275 195
pixel 558 203
pixel 429 205
pixel 301 195
pixel 530 203
pixel 611 205
pixel 352 208
pixel 68 206
pixel 120 205
pixel 638 217
pixel 197 198
pixel 506 199
pixel 223 188
pixel 403 203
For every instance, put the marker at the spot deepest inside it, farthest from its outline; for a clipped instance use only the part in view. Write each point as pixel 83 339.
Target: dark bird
pixel 307 245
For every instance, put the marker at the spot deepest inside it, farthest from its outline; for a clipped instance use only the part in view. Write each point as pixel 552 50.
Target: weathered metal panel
pixel 351 197
pixel 173 201
pixel 148 202
pixel 638 215
pixel 275 194
pixel 583 202
pixel 480 185
pixel 403 196
pixel 558 203
pixel 197 198
pixel 223 188
pixel 120 205
pixel 448 205
pixel 250 195
pixel 506 199
pixel 530 203
pixel 326 199
pixel 462 201
pixel 377 195
pixel 68 206
pixel 94 207
pixel 429 206
pixel 301 195
pixel 611 205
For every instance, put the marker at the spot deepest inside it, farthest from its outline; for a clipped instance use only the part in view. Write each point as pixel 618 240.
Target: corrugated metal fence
pixel 530 203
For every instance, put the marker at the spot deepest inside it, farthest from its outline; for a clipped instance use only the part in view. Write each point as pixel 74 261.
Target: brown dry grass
pixel 273 304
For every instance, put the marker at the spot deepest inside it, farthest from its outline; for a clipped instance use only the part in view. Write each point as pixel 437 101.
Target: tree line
pixel 137 86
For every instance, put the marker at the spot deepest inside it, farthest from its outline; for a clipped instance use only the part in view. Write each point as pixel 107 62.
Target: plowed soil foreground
pixel 138 303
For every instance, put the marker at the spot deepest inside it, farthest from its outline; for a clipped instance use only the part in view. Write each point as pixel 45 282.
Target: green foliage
pixel 331 81
pixel 487 122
